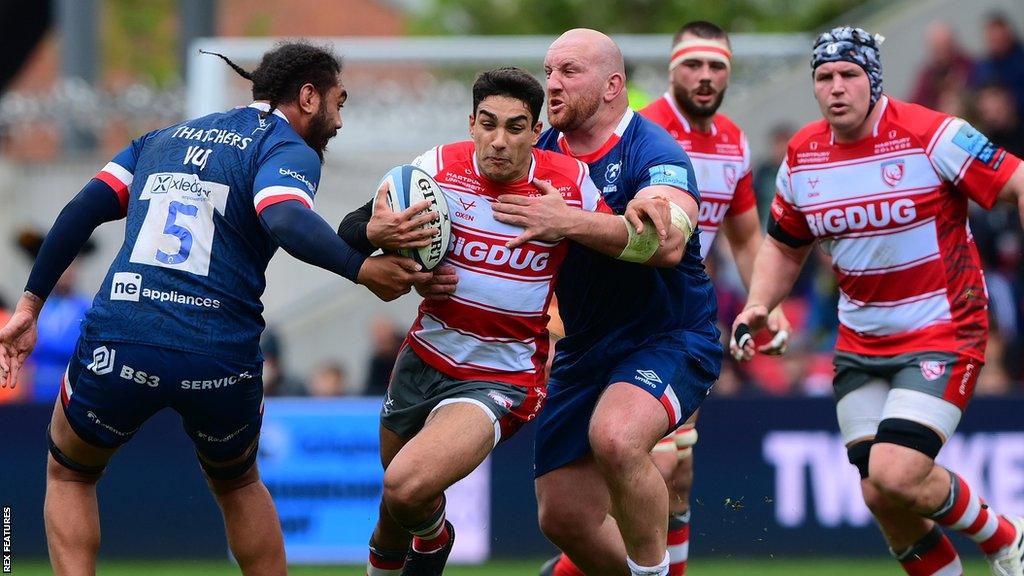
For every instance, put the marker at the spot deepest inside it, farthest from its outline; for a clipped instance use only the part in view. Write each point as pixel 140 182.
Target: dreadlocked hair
pixel 285 69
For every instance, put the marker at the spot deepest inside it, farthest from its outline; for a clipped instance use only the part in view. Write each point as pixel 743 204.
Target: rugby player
pixel 471 371
pixel 883 187
pixel 641 349
pixel 177 320
pixel 699 69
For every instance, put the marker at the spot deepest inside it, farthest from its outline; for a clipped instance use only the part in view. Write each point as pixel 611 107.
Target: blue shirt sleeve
pixel 286 171
pixel 660 161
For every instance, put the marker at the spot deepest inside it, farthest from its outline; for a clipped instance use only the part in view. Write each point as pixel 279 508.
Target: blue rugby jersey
pixel 609 306
pixel 191 271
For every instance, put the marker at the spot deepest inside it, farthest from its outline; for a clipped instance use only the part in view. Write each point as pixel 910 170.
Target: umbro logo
pixel 102 361
pixel 649 377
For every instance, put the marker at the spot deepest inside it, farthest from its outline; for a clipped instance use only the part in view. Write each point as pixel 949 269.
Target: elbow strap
pixel 640 247
pixel 681 221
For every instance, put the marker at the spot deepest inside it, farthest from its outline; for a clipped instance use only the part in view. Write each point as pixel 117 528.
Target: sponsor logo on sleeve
pixel 977 145
pixel 298 176
pixel 669 175
pixel 648 377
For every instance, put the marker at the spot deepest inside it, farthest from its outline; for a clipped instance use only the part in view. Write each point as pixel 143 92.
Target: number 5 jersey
pixel 191 271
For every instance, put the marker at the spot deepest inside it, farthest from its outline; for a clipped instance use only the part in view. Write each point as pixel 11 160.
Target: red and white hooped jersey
pixel 494 327
pixel 891 211
pixel 721 161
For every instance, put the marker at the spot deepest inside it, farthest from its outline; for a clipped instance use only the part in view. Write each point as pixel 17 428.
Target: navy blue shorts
pixel 661 366
pixel 110 389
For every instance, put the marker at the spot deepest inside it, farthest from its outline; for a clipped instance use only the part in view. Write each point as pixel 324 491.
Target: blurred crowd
pixel 987 89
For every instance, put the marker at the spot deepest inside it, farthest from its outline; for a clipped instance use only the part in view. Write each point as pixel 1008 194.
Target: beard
pixel 320 133
pixel 685 100
pixel 577 111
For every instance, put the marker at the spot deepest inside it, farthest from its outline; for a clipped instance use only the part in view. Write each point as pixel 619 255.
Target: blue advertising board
pixel 320 461
pixel 771 480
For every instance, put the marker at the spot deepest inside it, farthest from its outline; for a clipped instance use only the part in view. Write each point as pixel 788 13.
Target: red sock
pixel 385 563
pixel 933 555
pixel 968 514
pixel 678 543
pixel 565 567
pixel 433 541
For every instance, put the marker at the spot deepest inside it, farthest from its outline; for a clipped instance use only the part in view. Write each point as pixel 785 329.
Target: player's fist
pixel 441 284
pixel 390 276
pixel 747 323
pixel 392 231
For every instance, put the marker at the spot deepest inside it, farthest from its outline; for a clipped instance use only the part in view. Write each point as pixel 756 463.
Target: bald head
pixel 585 80
pixel 596 47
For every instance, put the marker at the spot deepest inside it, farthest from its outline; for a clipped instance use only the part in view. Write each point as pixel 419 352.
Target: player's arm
pixel 283 192
pixel 369 228
pixel 547 217
pixel 98 202
pixel 1013 191
pixel 743 231
pixel 308 237
pixel 776 268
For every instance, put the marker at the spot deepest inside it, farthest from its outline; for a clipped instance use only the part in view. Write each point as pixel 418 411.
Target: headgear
pixel 848 44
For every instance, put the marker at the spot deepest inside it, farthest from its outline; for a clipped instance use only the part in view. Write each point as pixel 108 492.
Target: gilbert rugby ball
pixel 407 185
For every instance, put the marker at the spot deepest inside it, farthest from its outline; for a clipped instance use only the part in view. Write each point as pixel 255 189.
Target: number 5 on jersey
pixel 178 230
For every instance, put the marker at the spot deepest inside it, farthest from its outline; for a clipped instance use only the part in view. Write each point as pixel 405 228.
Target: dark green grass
pixel 758 567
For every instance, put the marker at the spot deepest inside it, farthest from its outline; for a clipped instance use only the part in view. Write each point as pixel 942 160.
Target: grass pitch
pixel 718 567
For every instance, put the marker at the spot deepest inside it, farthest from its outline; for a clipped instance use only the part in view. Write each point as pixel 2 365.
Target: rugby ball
pixel 408 185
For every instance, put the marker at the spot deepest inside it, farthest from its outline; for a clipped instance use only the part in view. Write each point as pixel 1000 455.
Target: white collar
pixel 264 107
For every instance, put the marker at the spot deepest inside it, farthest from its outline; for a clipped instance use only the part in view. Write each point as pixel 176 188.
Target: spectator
pixel 59 325
pixel 998 117
pixel 945 73
pixel 276 381
pixel 768 168
pixel 386 342
pixel 329 380
pixel 1004 60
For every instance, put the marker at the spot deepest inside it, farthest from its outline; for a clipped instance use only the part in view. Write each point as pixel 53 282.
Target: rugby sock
pixel 678 543
pixel 385 562
pixel 932 555
pixel 432 535
pixel 968 514
pixel 565 567
pixel 659 570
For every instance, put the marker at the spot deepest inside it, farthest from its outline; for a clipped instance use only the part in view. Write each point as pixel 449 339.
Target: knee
pixel 222 485
pixel 406 491
pixel 561 524
pixel 878 503
pixel 615 451
pixel 62 473
pixel 893 482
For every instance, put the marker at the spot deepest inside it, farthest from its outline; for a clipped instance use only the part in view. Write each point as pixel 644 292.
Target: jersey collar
pixel 263 107
pixel 682 119
pixel 563 145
